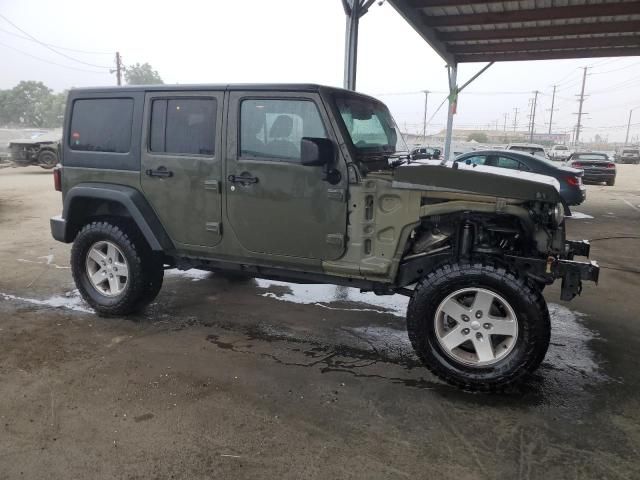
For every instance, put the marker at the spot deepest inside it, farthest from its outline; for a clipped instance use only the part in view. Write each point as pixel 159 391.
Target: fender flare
pixel 129 198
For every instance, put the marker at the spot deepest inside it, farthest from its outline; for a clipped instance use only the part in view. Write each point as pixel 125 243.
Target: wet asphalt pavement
pixel 264 379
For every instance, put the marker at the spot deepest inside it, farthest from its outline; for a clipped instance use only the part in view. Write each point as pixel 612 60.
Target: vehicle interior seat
pixel 279 144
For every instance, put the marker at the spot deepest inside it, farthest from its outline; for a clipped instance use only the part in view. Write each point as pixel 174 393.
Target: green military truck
pixel 312 184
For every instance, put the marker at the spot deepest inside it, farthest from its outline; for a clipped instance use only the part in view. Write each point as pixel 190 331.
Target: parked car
pixel 42 150
pixel 629 155
pixel 597 167
pixel 530 148
pixel 572 191
pixel 311 184
pixel 425 153
pixel 559 153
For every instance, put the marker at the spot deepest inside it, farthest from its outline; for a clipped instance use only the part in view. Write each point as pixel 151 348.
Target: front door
pixel 275 205
pixel 181 168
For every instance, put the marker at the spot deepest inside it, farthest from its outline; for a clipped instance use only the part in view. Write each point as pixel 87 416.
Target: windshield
pixel 560 147
pixel 370 126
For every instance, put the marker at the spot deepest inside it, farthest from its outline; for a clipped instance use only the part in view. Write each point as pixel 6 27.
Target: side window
pixel 101 125
pixel 183 126
pixel 274 128
pixel 476 160
pixel 506 162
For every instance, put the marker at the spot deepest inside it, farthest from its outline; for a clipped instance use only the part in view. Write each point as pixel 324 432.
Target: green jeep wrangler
pixel 311 184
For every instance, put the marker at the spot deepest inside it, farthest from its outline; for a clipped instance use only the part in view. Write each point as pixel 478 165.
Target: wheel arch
pixel 91 200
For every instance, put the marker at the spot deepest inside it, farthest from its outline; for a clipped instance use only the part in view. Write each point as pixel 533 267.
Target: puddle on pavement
pixel 570 367
pixel 334 297
pixel 569 370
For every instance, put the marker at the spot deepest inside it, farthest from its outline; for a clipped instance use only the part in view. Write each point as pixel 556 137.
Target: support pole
pixel 553 101
pixel 424 123
pixel 353 9
pixel 626 139
pixel 453 100
pixel 119 68
pixel 533 116
pixel 351 43
pixel 581 101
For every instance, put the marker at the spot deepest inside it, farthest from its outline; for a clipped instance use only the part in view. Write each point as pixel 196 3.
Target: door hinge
pixel 214 227
pixel 335 194
pixel 336 239
pixel 213 185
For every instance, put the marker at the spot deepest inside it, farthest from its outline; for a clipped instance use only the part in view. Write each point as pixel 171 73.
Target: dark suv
pixel 311 184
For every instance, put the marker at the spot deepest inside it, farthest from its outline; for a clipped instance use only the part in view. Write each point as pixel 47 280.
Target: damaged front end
pixel 474 216
pixel 564 267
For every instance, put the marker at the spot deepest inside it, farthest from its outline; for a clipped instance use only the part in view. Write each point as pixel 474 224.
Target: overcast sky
pixel 217 41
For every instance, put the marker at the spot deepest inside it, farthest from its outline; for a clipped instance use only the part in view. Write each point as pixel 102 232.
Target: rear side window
pixel 505 162
pixel 101 125
pixel 183 126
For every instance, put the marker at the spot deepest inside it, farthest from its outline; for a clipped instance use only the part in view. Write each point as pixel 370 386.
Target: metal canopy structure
pixel 464 31
pixel 489 31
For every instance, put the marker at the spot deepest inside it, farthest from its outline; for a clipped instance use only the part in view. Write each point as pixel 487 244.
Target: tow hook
pixel 550 262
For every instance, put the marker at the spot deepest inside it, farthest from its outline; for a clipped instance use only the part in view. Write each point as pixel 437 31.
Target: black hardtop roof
pixel 265 87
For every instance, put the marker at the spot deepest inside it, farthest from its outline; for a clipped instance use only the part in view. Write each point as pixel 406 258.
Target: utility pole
pixel 505 121
pixel 533 116
pixel 515 119
pixel 424 123
pixel 119 68
pixel 579 125
pixel 626 139
pixel 553 100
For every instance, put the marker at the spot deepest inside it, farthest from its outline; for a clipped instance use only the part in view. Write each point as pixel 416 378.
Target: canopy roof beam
pixel 532 15
pixel 595 27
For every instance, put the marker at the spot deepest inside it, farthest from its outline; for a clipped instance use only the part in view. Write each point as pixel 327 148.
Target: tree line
pixel 33 104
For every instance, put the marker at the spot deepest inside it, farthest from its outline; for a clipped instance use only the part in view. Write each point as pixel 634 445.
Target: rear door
pixel 181 167
pixel 275 205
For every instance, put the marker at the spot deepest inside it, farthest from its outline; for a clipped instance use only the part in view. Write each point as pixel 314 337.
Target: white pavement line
pixel 631 205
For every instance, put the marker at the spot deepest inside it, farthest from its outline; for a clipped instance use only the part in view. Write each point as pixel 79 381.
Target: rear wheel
pixel 611 182
pixel 477 326
pixel 114 269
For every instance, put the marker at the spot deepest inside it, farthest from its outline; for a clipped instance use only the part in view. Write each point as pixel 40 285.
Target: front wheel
pixel 478 327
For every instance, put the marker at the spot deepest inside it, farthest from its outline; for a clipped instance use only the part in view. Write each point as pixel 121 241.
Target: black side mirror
pixel 316 152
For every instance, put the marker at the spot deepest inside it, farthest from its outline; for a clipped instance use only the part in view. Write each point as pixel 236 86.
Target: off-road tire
pixel 611 183
pixel 532 316
pixel 145 270
pixel 47 159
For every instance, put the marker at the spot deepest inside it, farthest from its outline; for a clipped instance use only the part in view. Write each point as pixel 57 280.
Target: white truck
pixel 559 153
pixel 530 148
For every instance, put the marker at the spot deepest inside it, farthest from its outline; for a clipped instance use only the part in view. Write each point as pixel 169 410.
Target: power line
pixel 616 69
pixel 49 47
pixel 24 37
pixel 50 62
